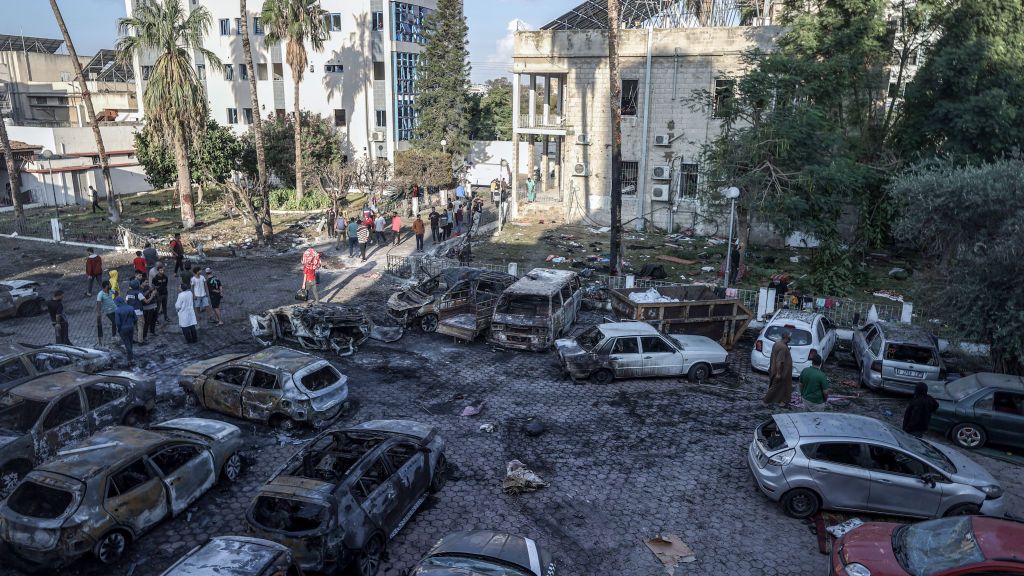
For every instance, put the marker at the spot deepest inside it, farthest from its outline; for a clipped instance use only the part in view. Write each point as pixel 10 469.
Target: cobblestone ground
pixel 624 462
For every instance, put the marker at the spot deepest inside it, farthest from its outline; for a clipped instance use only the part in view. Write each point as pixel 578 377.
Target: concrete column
pixel 559 141
pixel 559 99
pixel 532 112
pixel 515 102
pixel 547 103
pixel 513 199
pixel 544 164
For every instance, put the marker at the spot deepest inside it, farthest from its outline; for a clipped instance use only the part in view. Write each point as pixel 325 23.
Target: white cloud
pixel 506 44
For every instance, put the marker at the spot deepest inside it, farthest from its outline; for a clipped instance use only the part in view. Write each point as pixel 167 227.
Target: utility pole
pixel 615 98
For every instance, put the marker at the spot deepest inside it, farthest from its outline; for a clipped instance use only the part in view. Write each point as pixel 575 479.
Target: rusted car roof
pixel 541 282
pixel 103 450
pixel 49 386
pixel 283 358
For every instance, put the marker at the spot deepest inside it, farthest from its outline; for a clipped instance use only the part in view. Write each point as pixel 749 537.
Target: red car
pixel 955 546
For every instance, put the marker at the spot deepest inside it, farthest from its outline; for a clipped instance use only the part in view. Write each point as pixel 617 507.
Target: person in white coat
pixel 185 306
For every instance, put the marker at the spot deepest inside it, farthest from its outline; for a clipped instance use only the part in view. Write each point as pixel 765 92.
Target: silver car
pixel 895 357
pixel 818 460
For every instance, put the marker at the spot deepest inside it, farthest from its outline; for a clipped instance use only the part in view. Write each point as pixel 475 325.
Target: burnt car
pixel 419 305
pixel 535 311
pixel 20 298
pixel 236 556
pixel 324 327
pixel 49 412
pixel 111 489
pixel 21 362
pixel 279 386
pixel 486 553
pixel 340 499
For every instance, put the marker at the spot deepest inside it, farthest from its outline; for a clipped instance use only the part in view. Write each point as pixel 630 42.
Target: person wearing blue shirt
pixel 125 319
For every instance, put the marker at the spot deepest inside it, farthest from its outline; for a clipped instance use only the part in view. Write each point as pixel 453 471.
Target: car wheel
pixel 800 503
pixel 699 372
pixel 30 308
pixel 370 557
pixel 232 469
pixel 10 476
pixel 603 376
pixel 111 547
pixel 429 323
pixel 969 435
pixel 963 510
pixel 135 417
pixel 282 423
pixel 440 475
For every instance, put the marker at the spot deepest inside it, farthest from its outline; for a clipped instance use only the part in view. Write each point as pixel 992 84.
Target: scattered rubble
pixel 671 551
pixel 336 327
pixel 520 479
pixel 651 296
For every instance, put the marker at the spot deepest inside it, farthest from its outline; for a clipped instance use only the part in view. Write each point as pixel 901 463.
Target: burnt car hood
pixel 568 348
pixel 520 320
pixel 408 300
pixel 504 548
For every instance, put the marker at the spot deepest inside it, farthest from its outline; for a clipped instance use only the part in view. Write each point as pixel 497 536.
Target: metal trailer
pixel 701 311
pixel 463 317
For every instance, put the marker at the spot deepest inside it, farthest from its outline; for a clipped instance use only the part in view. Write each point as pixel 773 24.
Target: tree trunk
pixel 616 119
pixel 13 177
pixel 188 213
pixel 112 205
pixel 264 227
pixel 298 144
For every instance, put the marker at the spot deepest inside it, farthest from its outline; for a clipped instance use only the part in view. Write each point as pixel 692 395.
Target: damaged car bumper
pixel 770 479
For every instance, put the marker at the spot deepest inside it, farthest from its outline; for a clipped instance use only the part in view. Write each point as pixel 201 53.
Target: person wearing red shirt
pixel 140 264
pixel 310 264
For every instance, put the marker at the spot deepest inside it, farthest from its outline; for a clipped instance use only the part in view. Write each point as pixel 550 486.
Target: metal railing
pixel 403 266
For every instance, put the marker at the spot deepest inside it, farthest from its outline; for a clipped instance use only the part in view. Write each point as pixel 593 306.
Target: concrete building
pixel 667 51
pixel 363 80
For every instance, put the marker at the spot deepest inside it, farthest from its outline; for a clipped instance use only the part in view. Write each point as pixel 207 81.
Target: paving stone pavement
pixel 624 462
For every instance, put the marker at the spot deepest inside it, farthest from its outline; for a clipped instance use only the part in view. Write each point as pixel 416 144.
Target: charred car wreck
pixel 340 499
pixel 20 362
pixel 536 310
pixel 420 305
pixel 323 327
pixel 236 556
pixel 20 298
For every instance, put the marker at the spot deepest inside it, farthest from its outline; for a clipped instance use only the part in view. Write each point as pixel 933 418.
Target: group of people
pixel 373 227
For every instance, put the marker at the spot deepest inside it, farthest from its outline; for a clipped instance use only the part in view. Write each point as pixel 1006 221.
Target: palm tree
pixel 13 176
pixel 174 99
pixel 115 214
pixel 296 22
pixel 264 227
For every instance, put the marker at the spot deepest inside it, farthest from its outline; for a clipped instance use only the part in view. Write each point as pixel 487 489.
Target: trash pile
pixel 651 296
pixel 520 479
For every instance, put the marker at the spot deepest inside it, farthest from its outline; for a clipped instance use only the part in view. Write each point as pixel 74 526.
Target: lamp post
pixel 732 193
pixel 48 156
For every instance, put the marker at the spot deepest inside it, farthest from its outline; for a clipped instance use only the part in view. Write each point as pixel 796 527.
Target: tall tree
pixel 83 85
pixel 442 81
pixel 296 22
pixel 174 98
pixel 13 176
pixel 265 229
pixel 615 117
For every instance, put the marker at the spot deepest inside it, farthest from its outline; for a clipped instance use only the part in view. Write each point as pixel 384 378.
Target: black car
pixel 485 553
pixel 981 408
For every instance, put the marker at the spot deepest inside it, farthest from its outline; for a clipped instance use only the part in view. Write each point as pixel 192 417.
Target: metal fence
pixel 409 266
pixel 33 228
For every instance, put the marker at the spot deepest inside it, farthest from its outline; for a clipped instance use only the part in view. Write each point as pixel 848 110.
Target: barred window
pixel 629 172
pixel 407 22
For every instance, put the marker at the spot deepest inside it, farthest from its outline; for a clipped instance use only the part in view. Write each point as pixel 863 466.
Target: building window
pixel 334 22
pixel 238 26
pixel 278 71
pixel 229 72
pixel 378 20
pixel 257 26
pixel 405 73
pixel 407 22
pixel 339 117
pixel 232 115
pixel 334 68
pixel 146 71
pixel 243 72
pixel 689 174
pixel 201 71
pixel 261 71
pixel 382 118
pixel 225 27
pixel 723 97
pixel 405 120
pixel 247 115
pixel 630 97
pixel 378 70
pixel 630 172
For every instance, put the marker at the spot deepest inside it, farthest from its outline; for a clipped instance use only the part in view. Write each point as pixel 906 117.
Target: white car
pixel 634 349
pixel 811 332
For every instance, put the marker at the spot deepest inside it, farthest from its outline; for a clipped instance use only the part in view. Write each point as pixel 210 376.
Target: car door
pixel 410 479
pixel 1001 413
pixel 261 395
pixel 376 494
pixel 625 357
pixel 860 341
pixel 136 497
pixel 839 469
pixel 106 402
pixel 64 423
pixel 872 351
pixel 897 486
pixel 829 345
pixel 659 358
pixel 223 390
pixel 569 303
pixel 187 471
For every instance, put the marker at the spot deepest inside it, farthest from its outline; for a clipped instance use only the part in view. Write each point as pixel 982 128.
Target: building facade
pixel 363 80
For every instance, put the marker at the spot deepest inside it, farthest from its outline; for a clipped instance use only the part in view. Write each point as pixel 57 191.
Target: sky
pixel 93 25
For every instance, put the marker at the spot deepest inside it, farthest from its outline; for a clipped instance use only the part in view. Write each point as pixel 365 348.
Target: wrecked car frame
pixel 421 304
pixel 536 310
pixel 323 327
pixel 236 556
pixel 22 362
pixel 20 298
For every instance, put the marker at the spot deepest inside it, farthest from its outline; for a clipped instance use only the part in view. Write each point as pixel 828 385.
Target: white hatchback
pixel 811 332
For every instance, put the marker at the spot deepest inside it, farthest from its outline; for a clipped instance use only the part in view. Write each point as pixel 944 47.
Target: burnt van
pixel 536 310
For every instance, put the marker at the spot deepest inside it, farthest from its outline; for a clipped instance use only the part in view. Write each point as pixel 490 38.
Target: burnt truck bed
pixel 700 311
pixel 465 319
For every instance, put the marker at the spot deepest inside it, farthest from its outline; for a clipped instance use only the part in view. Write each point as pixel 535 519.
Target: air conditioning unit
pixel 581 169
pixel 377 136
pixel 659 193
pixel 662 140
pixel 583 139
pixel 662 173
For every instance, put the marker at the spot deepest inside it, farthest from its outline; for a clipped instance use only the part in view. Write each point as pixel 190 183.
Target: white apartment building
pixel 363 80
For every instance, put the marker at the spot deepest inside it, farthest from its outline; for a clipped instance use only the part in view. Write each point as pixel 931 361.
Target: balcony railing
pixel 554 122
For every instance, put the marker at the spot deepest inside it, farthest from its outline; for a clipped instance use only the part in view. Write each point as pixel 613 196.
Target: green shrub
pixel 284 199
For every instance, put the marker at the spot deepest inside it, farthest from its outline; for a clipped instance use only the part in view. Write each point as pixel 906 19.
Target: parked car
pixel 21 362
pixel 811 333
pixel 961 546
pixel 322 327
pixel 418 306
pixel 631 349
pixel 486 553
pixel 536 310
pixel 979 409
pixel 342 497
pixel 20 298
pixel 236 556
pixel 819 460
pixel 47 413
pixel 894 356
pixel 278 386
pixel 111 489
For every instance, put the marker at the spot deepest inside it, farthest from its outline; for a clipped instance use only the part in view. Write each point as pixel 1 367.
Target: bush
pixel 284 199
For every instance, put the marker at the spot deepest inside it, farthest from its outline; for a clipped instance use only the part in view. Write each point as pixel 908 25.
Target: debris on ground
pixel 889 295
pixel 651 296
pixel 488 428
pixel 474 409
pixel 336 327
pixel 838 530
pixel 535 427
pixel 520 479
pixel 671 551
pixel 653 271
pixel 899 274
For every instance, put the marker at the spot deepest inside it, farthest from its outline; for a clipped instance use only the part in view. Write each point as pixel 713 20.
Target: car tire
pixel 440 476
pixel 963 510
pixel 135 417
pixel 232 469
pixel 30 308
pixel 111 547
pixel 11 475
pixel 800 503
pixel 699 372
pixel 428 323
pixel 968 435
pixel 370 556
pixel 603 376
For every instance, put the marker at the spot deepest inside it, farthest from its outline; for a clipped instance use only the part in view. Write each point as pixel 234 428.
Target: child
pixel 114 289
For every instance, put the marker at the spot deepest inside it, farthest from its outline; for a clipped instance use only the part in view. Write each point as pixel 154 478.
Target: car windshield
pixel 524 304
pixel 39 501
pixel 911 354
pixel 475 566
pixel 590 338
pixel 800 337
pixel 935 546
pixel 19 414
pixel 289 516
pixel 962 388
pixel 922 449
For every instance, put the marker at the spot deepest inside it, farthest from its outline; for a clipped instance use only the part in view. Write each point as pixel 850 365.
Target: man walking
pixel 200 293
pixel 55 306
pixel 95 199
pixel 918 415
pixel 310 265
pixel 126 320
pixel 185 306
pixel 814 386
pixel 442 221
pixel 340 231
pixel 178 250
pixel 216 289
pixel 105 306
pixel 93 269
pixel 396 227
pixel 433 217
pixel 149 253
pixel 150 305
pixel 418 229
pixel 160 282
pixel 780 373
pixel 351 232
pixel 363 235
pixel 139 263
pixel 134 298
pixel 378 228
